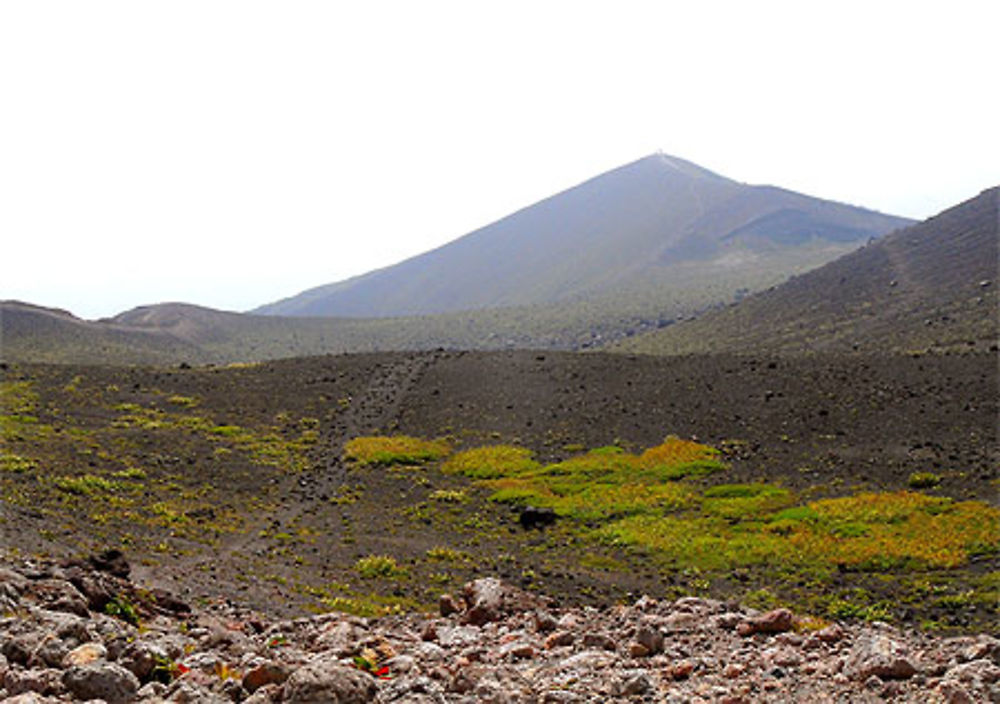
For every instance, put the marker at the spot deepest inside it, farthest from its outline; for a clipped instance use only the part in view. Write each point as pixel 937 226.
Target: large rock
pixel 328 683
pixel 30 698
pixel 141 658
pixel 263 674
pixel 878 654
pixel 84 655
pixel 777 621
pixel 101 680
pixel 40 681
pixel 489 599
pixel 485 600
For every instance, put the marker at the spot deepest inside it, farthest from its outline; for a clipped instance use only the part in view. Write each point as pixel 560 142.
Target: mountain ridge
pixel 930 285
pixel 640 219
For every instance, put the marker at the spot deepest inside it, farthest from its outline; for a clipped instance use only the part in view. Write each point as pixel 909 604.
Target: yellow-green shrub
pixel 490 462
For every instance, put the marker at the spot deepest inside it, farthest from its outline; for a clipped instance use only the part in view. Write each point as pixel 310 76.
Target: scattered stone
pixel 635 685
pixel 85 654
pixel 111 561
pixel 533 517
pixel 101 680
pixel 40 681
pixel 599 640
pixel 264 674
pixel 879 655
pixel 522 649
pixel 682 670
pixel 518 650
pixel 952 692
pixel 560 639
pixel 29 698
pixel 650 638
pixel 545 622
pixel 776 621
pixel 447 605
pixel 831 633
pixel 328 683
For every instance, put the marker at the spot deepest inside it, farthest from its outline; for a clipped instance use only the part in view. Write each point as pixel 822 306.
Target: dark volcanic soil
pixel 821 425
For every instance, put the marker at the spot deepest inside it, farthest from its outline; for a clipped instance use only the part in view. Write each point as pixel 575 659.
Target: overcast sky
pixel 233 153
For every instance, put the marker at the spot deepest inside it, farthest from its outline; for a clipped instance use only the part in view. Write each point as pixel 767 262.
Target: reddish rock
pixel 264 674
pixel 830 634
pixel 559 639
pixel 732 671
pixel 448 605
pixel 681 670
pixel 637 650
pixel 777 621
pixel 599 640
pixel 952 692
pixel 518 650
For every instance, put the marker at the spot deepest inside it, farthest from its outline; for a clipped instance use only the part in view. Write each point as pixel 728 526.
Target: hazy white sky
pixel 233 153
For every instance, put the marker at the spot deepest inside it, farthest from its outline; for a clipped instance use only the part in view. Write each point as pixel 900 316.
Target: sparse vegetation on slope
pixel 930 287
pixel 235 478
pixel 642 501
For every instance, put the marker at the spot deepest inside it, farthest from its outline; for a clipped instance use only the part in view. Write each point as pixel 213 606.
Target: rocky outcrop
pixel 494 644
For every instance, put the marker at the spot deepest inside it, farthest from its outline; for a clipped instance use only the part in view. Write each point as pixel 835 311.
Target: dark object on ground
pixel 111 561
pixel 533 517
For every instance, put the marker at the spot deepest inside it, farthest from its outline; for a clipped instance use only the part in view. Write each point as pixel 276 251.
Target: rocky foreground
pixel 81 631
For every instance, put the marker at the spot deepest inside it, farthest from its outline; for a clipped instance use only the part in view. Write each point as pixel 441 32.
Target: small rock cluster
pixel 493 643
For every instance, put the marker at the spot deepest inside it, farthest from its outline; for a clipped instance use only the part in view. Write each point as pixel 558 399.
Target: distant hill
pixel 34 333
pixel 171 333
pixel 660 235
pixel 632 250
pixel 929 286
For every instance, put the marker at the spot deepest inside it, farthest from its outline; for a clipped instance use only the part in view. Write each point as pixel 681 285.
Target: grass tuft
pixel 397 449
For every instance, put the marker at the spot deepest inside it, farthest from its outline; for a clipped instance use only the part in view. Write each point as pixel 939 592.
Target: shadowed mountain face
pixel 932 285
pixel 618 235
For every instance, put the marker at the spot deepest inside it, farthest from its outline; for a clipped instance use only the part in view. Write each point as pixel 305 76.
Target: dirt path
pixel 376 409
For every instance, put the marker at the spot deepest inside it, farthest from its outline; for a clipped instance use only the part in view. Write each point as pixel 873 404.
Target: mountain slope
pixel 34 333
pixel 618 235
pixel 931 285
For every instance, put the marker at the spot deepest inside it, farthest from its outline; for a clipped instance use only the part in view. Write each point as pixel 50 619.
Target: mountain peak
pixel 618 233
pixel 682 166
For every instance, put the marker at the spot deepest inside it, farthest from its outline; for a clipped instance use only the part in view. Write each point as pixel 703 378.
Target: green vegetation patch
pixel 86 485
pixel 603 483
pixel 18 422
pixel 742 501
pixel 924 480
pixel 491 462
pixel 396 449
pixel 866 532
pixel 10 462
pixel 378 566
pixel 263 448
